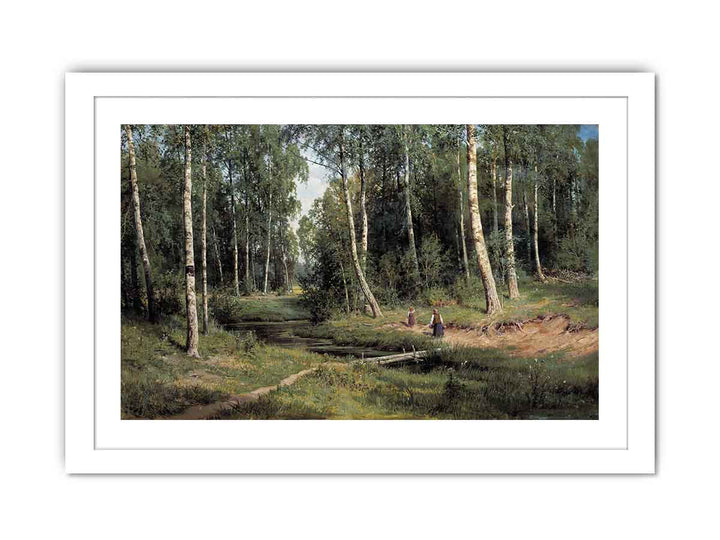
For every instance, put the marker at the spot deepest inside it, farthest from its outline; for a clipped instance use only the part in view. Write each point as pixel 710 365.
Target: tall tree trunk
pixel 374 306
pixel 267 257
pixel 466 266
pixel 555 218
pixel 509 243
pixel 493 175
pixel 538 266
pixel 218 260
pixel 363 214
pixel 408 208
pixel 190 301
pixel 347 295
pixel 491 297
pixel 140 236
pixel 203 241
pixel 288 284
pixel 527 227
pixel 248 262
pixel 236 278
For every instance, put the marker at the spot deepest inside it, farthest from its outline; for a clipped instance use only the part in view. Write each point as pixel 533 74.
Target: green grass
pixel 159 379
pixel 579 301
pixel 461 384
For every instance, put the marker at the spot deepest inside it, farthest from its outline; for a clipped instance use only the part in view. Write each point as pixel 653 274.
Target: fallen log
pixel 397 358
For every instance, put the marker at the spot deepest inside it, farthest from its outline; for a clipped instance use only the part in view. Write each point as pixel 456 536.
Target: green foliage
pixel 319 303
pixel 170 293
pixel 431 260
pixel 468 291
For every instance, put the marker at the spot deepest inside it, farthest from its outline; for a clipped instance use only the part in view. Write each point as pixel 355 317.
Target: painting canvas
pixel 359 271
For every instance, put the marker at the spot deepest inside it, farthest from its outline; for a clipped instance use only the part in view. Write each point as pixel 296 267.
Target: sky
pixel 317 179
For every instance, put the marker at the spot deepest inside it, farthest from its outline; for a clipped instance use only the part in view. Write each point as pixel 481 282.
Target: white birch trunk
pixel 408 207
pixel 374 306
pixel 509 243
pixel 267 257
pixel 364 216
pixel 190 300
pixel 218 260
pixel 466 265
pixel 140 236
pixel 491 297
pixel 203 245
pixel 538 266
pixel 493 175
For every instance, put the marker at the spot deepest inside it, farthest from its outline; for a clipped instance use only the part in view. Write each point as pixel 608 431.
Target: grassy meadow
pixel 463 382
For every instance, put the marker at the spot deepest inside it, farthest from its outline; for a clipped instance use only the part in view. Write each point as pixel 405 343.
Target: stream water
pixel 284 334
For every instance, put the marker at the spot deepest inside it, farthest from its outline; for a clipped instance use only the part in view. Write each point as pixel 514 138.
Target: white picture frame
pixel 622 440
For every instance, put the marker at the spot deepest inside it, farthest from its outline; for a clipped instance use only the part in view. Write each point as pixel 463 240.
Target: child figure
pixel 436 323
pixel 411 317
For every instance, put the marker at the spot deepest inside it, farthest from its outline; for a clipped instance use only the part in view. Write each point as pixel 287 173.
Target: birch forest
pixel 479 226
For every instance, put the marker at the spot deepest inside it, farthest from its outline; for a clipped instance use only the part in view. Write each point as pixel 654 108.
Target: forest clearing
pixel 476 244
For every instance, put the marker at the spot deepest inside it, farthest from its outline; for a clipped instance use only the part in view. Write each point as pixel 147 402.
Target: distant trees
pixel 402 213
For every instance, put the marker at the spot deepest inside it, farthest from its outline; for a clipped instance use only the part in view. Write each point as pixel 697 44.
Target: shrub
pixel 319 303
pixel 168 291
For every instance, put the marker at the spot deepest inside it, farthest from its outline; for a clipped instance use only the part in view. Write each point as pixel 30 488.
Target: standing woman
pixel 436 323
pixel 411 317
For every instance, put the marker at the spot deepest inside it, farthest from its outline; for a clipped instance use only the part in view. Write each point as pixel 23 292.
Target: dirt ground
pixel 526 339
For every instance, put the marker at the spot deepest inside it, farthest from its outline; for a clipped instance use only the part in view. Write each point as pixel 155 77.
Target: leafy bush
pixel 319 303
pixel 431 260
pixel 169 290
pixel 246 342
pixel 225 305
pixel 437 297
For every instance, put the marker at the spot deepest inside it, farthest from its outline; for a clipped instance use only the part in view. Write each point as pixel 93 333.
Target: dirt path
pixel 540 336
pixel 203 412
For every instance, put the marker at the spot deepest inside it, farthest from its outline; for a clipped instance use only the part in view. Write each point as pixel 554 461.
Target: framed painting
pixel 389 273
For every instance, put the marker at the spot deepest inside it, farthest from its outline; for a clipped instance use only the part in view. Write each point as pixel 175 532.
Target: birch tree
pixel 538 266
pixel 513 291
pixel 329 146
pixel 140 236
pixel 492 300
pixel 408 207
pixel 190 300
pixel 466 266
pixel 203 234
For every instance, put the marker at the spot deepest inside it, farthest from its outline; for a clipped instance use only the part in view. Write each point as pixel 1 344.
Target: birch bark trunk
pixel 267 257
pixel 374 306
pixel 527 227
pixel 492 300
pixel 363 214
pixel 248 263
pixel 538 266
pixel 493 175
pixel 139 234
pixel 236 278
pixel 509 243
pixel 218 260
pixel 408 208
pixel 190 300
pixel 203 243
pixel 466 265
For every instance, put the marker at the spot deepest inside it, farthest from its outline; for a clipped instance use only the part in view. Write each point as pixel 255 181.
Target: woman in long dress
pixel 436 323
pixel 411 317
